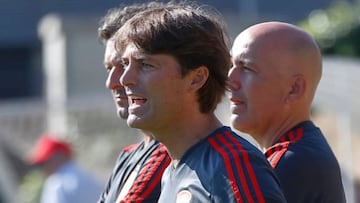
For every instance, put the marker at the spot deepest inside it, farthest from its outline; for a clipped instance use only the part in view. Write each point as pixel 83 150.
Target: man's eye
pixel 146 65
pixel 246 68
pixel 124 63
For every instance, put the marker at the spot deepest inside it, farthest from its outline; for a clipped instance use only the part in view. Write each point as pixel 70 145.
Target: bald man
pixel 275 73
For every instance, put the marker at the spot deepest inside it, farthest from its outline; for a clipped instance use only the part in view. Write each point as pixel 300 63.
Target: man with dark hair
pixel 276 69
pixel 175 62
pixel 139 167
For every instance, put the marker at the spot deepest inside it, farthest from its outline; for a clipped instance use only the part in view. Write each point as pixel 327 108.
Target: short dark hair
pixel 116 17
pixel 194 35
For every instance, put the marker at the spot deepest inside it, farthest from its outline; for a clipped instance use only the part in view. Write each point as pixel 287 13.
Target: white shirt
pixel 70 185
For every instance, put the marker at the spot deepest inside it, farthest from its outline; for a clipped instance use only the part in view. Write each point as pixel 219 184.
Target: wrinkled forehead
pixel 111 55
pixel 109 50
pixel 110 46
pixel 256 52
pixel 244 47
pixel 132 51
pixel 254 45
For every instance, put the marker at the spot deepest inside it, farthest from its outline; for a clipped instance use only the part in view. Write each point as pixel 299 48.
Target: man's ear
pixel 199 77
pixel 297 89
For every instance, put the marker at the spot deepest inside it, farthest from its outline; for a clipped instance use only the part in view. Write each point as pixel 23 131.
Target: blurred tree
pixel 31 186
pixel 337 28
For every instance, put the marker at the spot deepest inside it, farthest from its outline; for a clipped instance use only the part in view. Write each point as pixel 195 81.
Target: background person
pixel 65 181
pixel 275 73
pixel 137 173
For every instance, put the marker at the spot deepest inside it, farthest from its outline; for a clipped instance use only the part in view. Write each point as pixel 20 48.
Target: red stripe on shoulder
pixel 160 163
pixel 299 133
pixel 131 147
pixel 274 154
pixel 249 168
pixel 149 176
pixel 291 135
pixel 229 170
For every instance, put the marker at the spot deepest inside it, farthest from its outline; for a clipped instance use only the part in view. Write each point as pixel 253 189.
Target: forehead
pixel 252 47
pixel 110 47
pixel 130 50
pixel 243 48
pixel 258 52
pixel 111 55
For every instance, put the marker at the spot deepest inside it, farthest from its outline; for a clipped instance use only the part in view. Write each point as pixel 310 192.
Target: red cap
pixel 46 147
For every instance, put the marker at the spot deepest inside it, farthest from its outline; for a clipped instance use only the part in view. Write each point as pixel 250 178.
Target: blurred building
pixel 21 74
pixel 51 60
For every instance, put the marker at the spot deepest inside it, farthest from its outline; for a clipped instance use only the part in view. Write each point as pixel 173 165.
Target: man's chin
pixel 141 122
pixel 123 114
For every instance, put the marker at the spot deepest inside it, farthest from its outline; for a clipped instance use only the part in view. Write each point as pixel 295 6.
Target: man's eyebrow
pixel 238 59
pixel 248 62
pixel 139 55
pixel 116 59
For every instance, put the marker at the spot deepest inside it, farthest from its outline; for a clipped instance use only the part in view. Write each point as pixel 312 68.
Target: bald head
pixel 276 69
pixel 288 49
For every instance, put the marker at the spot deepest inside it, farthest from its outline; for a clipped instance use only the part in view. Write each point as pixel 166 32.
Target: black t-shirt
pixel 306 166
pixel 152 161
pixel 221 168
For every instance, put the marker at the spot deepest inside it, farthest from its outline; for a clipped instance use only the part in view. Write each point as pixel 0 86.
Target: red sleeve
pixel 147 185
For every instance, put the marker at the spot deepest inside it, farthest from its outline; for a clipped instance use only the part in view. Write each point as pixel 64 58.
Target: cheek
pixel 260 95
pixel 172 91
pixel 171 97
pixel 160 89
pixel 252 88
pixel 164 87
pixel 266 99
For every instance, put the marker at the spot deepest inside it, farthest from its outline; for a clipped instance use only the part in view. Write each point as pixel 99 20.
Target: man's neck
pixel 274 133
pixel 181 138
pixel 148 137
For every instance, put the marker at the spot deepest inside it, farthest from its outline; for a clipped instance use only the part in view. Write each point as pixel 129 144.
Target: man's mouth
pixel 236 101
pixel 137 100
pixel 120 94
pixel 121 99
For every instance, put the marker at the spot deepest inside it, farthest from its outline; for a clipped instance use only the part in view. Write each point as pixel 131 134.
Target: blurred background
pixel 52 79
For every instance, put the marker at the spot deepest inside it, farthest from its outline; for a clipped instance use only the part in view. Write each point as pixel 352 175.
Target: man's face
pixel 257 88
pixel 115 69
pixel 155 88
